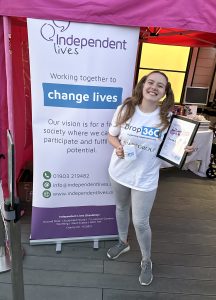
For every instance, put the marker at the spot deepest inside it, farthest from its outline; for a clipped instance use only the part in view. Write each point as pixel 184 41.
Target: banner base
pixel 59 242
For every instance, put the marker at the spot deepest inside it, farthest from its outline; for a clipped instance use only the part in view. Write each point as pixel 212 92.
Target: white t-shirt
pixel 143 131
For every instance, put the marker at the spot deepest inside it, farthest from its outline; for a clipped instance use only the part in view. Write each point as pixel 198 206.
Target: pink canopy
pixel 196 15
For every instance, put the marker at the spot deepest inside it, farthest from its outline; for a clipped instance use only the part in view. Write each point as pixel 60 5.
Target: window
pixel 172 60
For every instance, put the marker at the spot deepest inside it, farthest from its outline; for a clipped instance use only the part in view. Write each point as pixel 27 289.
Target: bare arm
pixel 114 141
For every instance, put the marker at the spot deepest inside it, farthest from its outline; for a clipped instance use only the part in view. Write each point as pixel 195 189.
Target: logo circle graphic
pixel 47 184
pixel 47 175
pixel 46 194
pixel 47 32
pixel 62 24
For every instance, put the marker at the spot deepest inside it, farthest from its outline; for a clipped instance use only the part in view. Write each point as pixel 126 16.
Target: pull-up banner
pixel 79 74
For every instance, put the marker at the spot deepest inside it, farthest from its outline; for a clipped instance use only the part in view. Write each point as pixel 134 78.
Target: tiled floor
pixel 184 253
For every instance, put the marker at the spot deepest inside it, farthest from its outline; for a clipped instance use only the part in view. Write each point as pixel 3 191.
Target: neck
pixel 148 107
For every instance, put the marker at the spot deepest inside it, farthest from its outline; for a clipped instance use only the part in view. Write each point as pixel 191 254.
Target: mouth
pixel 152 93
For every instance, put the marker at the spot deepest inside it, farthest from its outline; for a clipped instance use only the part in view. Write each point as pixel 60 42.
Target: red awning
pixel 179 37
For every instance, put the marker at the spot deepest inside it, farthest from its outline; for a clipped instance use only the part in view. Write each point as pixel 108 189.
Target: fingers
pixel 120 152
pixel 189 149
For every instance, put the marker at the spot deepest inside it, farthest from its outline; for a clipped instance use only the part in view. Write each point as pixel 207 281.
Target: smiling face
pixel 154 88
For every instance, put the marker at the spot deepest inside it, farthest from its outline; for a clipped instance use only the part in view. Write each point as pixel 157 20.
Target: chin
pixel 150 99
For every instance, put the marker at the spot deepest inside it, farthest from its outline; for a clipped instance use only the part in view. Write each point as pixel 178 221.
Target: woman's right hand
pixel 115 142
pixel 120 151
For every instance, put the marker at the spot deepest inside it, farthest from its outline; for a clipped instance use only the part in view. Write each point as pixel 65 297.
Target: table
pixel 198 161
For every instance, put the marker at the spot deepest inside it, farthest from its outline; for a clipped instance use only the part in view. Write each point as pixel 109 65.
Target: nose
pixel 154 86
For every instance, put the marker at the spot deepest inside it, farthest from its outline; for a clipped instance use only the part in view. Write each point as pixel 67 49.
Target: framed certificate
pixel 181 133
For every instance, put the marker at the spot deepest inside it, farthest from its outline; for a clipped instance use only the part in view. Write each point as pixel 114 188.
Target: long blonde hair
pixel 128 107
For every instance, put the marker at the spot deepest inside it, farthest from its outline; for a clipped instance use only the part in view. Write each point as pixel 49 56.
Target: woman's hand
pixel 189 149
pixel 120 151
pixel 115 142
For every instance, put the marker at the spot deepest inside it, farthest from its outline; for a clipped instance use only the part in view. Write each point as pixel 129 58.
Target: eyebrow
pixel 154 81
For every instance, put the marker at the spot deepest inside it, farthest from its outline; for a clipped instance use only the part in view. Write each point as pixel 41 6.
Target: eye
pixel 161 86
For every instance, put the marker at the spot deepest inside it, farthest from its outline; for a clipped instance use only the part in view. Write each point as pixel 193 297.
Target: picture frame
pixel 180 133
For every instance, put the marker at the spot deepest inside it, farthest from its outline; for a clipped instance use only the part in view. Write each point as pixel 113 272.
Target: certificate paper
pixel 180 134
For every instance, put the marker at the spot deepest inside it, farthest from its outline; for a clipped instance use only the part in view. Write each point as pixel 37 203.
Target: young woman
pixel 136 131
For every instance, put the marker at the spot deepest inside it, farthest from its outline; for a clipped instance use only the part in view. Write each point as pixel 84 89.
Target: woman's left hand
pixel 189 149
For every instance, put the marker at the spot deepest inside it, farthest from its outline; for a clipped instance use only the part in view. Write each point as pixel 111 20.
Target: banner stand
pixel 96 245
pixel 71 113
pixel 59 242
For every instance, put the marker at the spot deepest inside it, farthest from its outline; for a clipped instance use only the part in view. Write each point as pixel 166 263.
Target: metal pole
pixel 16 260
pixel 13 229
